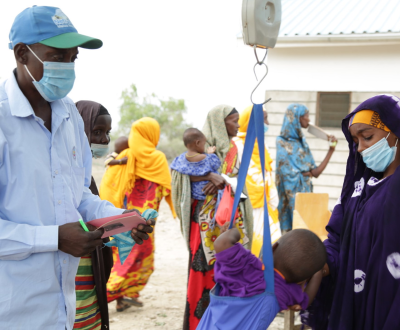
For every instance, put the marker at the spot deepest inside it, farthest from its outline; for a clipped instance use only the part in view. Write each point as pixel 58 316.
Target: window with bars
pixel 332 108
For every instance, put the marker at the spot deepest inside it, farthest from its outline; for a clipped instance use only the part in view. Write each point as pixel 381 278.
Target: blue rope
pixel 256 130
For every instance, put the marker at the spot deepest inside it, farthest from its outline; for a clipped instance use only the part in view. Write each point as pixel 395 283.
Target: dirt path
pixel 164 296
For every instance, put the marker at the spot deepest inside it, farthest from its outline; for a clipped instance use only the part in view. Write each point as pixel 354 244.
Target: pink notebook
pixel 118 223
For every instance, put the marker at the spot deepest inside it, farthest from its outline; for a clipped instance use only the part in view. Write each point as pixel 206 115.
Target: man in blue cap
pixel 45 173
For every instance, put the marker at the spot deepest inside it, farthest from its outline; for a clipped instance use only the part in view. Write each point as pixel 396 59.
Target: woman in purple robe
pixel 361 289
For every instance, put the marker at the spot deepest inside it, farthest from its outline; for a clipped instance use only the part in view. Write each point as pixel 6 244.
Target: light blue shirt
pixel 44 183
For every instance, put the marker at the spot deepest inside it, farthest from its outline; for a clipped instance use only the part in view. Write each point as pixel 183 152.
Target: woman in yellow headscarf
pixel 140 184
pixel 255 187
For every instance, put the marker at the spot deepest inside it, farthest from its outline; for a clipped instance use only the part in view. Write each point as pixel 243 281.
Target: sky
pixel 179 48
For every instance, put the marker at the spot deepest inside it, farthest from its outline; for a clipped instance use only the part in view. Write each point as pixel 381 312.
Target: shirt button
pixel 64 262
pixel 59 202
pixel 55 172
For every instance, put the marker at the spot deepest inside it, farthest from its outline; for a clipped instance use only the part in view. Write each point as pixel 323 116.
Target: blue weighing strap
pixel 256 130
pixel 256 312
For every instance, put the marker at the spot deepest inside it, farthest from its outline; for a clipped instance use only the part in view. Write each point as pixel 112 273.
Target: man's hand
pixel 72 239
pixel 140 233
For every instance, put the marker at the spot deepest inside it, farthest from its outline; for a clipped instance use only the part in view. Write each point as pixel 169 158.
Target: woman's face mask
pixel 99 150
pixel 57 81
pixel 380 155
pixel 100 136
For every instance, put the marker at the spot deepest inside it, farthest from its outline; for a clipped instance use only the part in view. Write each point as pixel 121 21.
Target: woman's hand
pixel 217 180
pixel 333 142
pixel 307 173
pixel 210 189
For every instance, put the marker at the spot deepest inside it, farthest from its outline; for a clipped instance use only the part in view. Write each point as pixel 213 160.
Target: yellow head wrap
pixel 368 117
pixel 144 161
pixel 255 189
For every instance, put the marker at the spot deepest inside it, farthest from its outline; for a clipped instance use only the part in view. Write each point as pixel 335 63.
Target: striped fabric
pixel 87 309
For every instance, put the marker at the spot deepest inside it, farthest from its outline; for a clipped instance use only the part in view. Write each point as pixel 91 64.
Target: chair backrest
pixel 311 212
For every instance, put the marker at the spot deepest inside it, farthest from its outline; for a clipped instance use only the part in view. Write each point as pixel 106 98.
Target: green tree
pixel 169 114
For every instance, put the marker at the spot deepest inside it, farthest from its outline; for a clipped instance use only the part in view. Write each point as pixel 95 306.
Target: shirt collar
pixel 20 106
pixel 60 108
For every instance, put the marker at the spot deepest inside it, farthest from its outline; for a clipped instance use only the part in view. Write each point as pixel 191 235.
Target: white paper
pixel 233 183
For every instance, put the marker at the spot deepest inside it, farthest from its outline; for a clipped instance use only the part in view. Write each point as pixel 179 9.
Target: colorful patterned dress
pixel 293 158
pixel 88 315
pixel 129 279
pixel 203 233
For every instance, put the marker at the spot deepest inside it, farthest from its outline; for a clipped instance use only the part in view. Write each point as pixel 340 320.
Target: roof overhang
pixel 337 40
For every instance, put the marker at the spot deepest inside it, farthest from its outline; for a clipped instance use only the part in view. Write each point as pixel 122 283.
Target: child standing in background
pixel 120 145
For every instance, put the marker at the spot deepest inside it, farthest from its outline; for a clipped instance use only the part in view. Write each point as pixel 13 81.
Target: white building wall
pixel 334 68
pixel 331 180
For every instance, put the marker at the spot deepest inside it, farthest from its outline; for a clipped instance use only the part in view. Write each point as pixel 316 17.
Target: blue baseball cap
pixel 48 26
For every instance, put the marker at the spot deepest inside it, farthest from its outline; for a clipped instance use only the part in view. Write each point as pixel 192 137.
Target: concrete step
pixel 281 107
pixel 332 203
pixel 334 192
pixel 314 145
pixel 291 96
pixel 319 155
pixel 332 168
pixel 329 180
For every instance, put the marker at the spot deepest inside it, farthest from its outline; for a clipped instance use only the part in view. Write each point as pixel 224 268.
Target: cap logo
pixel 61 20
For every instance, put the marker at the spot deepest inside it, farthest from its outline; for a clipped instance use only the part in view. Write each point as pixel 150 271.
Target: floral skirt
pixel 201 275
pixel 131 277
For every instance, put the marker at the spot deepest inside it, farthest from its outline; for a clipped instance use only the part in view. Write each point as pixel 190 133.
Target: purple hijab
pixel 363 245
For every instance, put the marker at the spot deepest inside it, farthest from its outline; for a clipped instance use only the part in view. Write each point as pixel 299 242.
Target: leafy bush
pixel 169 114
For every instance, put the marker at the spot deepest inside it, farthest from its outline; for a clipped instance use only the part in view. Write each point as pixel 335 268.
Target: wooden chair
pixel 310 212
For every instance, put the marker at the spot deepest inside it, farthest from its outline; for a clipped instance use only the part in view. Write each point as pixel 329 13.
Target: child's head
pixel 298 255
pixel 121 144
pixel 194 140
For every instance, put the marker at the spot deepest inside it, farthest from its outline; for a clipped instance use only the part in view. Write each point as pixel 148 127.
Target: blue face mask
pixel 99 150
pixel 379 156
pixel 265 128
pixel 57 81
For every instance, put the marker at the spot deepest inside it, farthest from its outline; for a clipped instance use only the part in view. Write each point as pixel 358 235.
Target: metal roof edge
pixel 339 40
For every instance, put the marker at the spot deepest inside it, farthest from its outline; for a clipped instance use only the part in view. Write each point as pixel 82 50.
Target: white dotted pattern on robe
pixel 359 280
pixel 393 264
pixel 359 186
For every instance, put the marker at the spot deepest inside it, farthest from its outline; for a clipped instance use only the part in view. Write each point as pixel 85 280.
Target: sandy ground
pixel 164 296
